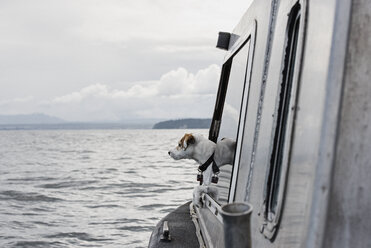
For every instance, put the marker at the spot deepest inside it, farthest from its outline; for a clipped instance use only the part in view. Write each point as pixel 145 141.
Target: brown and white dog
pixel 200 149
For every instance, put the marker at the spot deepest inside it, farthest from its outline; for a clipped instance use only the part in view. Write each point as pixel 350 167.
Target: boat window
pixel 227 113
pixel 278 163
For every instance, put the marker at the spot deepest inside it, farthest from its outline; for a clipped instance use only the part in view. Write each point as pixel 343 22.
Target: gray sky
pixel 111 60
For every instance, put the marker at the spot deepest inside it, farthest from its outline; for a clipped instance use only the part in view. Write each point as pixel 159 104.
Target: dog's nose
pixel 168 152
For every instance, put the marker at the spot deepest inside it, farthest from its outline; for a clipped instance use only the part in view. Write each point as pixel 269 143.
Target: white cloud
pixel 19 105
pixel 16 100
pixel 112 59
pixel 174 83
pixel 176 94
pixel 96 90
pixel 180 81
pixel 50 48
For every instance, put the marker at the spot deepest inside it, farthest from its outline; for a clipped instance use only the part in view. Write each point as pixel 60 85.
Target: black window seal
pixel 272 202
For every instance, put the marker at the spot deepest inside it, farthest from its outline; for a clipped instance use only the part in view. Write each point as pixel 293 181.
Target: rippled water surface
pixel 89 188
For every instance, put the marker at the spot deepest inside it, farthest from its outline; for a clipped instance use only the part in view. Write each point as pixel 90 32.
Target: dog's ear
pixel 188 139
pixel 191 139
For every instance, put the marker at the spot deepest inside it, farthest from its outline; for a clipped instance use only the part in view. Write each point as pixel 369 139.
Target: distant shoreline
pixel 87 126
pixel 45 122
pixel 74 126
pixel 190 123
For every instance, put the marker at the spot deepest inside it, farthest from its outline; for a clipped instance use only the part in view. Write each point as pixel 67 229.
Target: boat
pixel 295 95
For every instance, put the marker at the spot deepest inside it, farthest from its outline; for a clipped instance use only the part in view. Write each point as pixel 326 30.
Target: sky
pixel 113 60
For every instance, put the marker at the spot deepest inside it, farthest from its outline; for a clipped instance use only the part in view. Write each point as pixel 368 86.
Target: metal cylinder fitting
pixel 237 224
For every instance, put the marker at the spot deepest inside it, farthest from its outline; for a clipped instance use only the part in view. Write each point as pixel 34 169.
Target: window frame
pixel 219 106
pixel 283 124
pixel 243 112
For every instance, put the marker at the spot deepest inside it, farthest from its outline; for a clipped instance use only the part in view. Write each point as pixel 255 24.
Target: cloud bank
pixel 94 60
pixel 53 47
pixel 177 94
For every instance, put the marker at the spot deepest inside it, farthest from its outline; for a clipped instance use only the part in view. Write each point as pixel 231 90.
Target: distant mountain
pixel 45 122
pixel 74 126
pixel 29 119
pixel 183 124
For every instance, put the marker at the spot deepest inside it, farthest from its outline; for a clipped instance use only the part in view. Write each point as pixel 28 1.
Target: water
pixel 89 188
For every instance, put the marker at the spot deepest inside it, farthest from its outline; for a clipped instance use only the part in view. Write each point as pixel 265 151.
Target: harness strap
pixel 215 168
pixel 205 165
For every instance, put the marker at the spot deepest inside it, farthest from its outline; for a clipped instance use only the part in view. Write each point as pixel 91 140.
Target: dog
pixel 200 149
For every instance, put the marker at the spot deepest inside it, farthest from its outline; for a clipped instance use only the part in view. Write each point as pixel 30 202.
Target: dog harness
pixel 204 166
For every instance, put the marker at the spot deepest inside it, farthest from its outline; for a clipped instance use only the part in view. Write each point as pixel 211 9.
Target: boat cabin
pixel 295 95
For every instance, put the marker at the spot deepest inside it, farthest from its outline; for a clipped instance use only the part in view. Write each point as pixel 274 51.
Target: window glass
pixel 231 115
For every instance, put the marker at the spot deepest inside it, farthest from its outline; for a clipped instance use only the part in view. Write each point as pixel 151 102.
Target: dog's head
pixel 184 149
